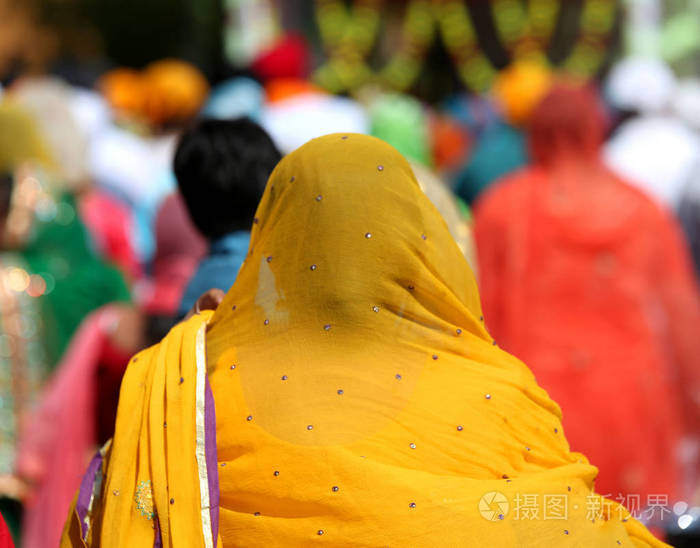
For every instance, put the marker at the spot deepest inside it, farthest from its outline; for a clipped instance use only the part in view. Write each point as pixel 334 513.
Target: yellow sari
pixel 360 401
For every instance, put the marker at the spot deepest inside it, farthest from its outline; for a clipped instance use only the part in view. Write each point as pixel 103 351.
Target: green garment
pixel 400 120
pixel 78 282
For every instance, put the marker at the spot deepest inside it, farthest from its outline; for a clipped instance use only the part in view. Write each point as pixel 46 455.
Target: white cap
pixel 90 110
pixel 643 84
pixel 292 122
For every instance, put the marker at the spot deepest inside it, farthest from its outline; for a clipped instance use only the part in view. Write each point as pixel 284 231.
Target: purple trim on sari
pixel 158 542
pixel 211 456
pixel 87 486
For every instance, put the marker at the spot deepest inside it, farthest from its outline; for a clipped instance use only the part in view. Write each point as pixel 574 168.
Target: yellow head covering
pixel 368 404
pixel 177 90
pixel 359 398
pixel 519 88
pixel 166 91
pixel 48 100
pixel 20 139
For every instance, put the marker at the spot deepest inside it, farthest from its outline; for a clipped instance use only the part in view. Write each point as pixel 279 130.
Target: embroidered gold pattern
pixel 144 500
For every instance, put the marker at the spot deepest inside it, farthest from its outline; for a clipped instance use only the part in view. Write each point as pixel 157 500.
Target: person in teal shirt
pixel 499 150
pixel 222 167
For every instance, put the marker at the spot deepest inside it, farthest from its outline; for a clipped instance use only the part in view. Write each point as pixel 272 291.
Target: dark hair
pixel 222 167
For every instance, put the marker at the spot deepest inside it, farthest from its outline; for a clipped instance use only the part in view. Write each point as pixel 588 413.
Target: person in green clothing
pixel 401 121
pixel 43 227
pixel 500 149
pixel 59 251
pixel 49 281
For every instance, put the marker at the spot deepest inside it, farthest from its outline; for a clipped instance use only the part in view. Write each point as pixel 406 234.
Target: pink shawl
pixel 55 450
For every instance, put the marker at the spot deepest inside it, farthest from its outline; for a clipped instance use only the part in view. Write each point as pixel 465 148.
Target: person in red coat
pixel 590 283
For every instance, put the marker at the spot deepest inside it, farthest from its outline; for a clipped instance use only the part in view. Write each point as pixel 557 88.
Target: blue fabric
pixel 218 269
pixel 500 149
pixel 475 112
pixel 235 98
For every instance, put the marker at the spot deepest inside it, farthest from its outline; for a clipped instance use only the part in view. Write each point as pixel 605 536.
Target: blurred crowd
pixel 577 206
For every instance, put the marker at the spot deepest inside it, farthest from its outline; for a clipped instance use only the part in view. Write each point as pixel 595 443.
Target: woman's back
pixel 586 279
pixel 555 258
pixel 359 398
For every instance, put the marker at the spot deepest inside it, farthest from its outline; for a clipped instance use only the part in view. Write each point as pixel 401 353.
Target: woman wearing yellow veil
pixel 360 400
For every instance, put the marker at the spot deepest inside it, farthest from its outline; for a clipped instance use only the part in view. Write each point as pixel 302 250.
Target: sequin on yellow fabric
pixel 144 500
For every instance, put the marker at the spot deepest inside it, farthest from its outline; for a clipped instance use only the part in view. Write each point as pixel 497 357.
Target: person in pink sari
pixel 78 406
pixel 55 450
